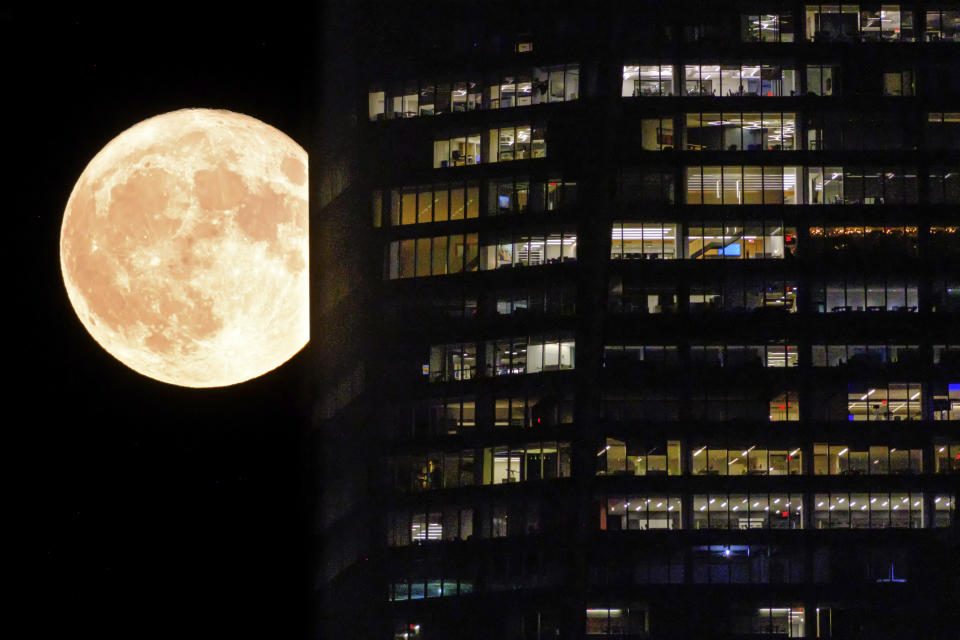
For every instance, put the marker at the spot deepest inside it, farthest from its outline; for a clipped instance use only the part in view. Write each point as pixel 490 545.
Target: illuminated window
pixel 525 86
pixel 718 405
pixel 823 79
pixel 944 509
pixel 449 362
pixel 787 622
pixel 602 622
pixel 647 81
pixel 419 257
pixel 871 296
pixel 946 401
pixel 748 460
pixel 657 134
pixel 850 22
pixel 633 457
pixel 746 564
pixel 640 512
pixel 516 143
pixel 458 152
pixel 868 510
pixel 944 185
pixel 840 459
pixel 524 463
pixel 893 401
pixel 740 131
pixel 747 511
pixel 766 27
pixel 644 240
pixel 839 355
pixel 521 195
pixel 434 203
pixel 739 185
pixel 450 416
pixel 430 588
pixel 899 83
pixel 739 294
pixel 733 80
pixel 942 25
pixel 535 354
pixel 776 354
pixel 732 241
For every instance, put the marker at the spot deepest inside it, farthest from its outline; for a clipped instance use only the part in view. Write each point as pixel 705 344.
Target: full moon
pixel 184 248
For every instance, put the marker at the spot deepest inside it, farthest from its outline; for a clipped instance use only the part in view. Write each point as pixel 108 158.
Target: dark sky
pixel 151 508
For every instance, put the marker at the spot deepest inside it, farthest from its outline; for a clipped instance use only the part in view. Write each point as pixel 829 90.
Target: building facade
pixel 652 323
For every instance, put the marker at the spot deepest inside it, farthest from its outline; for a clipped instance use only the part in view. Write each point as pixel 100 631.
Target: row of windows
pixel 850 131
pixel 736 293
pixel 758 79
pixel 747 78
pixel 859 402
pixel 777 131
pixel 605 619
pixel 535 354
pixel 887 240
pixel 647 512
pixel 472 467
pixel 636 456
pixel 755 564
pixel 527 86
pixel 726 293
pixel 624 357
pixel 654 405
pixel 888 22
pixel 867 510
pixel 553 298
pixel 508 356
pixel 709 240
pixel 531 516
pixel 456 414
pixel 812 185
pixel 746 185
pixel 760 240
pixel 460 201
pixel 441 255
pixel 726 185
pixel 827 23
pixel 701 241
pixel 551 460
pixel 503 144
pixel 894 401
pixel 731 131
pixel 454 523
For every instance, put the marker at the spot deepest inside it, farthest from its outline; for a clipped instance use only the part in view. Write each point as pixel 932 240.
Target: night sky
pixel 151 509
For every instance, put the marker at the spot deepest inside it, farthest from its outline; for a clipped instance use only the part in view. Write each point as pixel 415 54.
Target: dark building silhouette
pixel 638 320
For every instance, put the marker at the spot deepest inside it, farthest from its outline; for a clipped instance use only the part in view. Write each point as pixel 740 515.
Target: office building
pixel 644 322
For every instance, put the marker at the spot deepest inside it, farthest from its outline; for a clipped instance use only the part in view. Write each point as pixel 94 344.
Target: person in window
pixel 434 476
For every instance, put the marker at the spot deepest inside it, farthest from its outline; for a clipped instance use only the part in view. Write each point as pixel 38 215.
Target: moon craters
pixel 184 248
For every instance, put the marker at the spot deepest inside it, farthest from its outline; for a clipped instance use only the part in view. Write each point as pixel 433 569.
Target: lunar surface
pixel 184 248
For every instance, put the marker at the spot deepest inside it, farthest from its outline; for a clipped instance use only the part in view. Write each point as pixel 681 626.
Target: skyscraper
pixel 641 321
